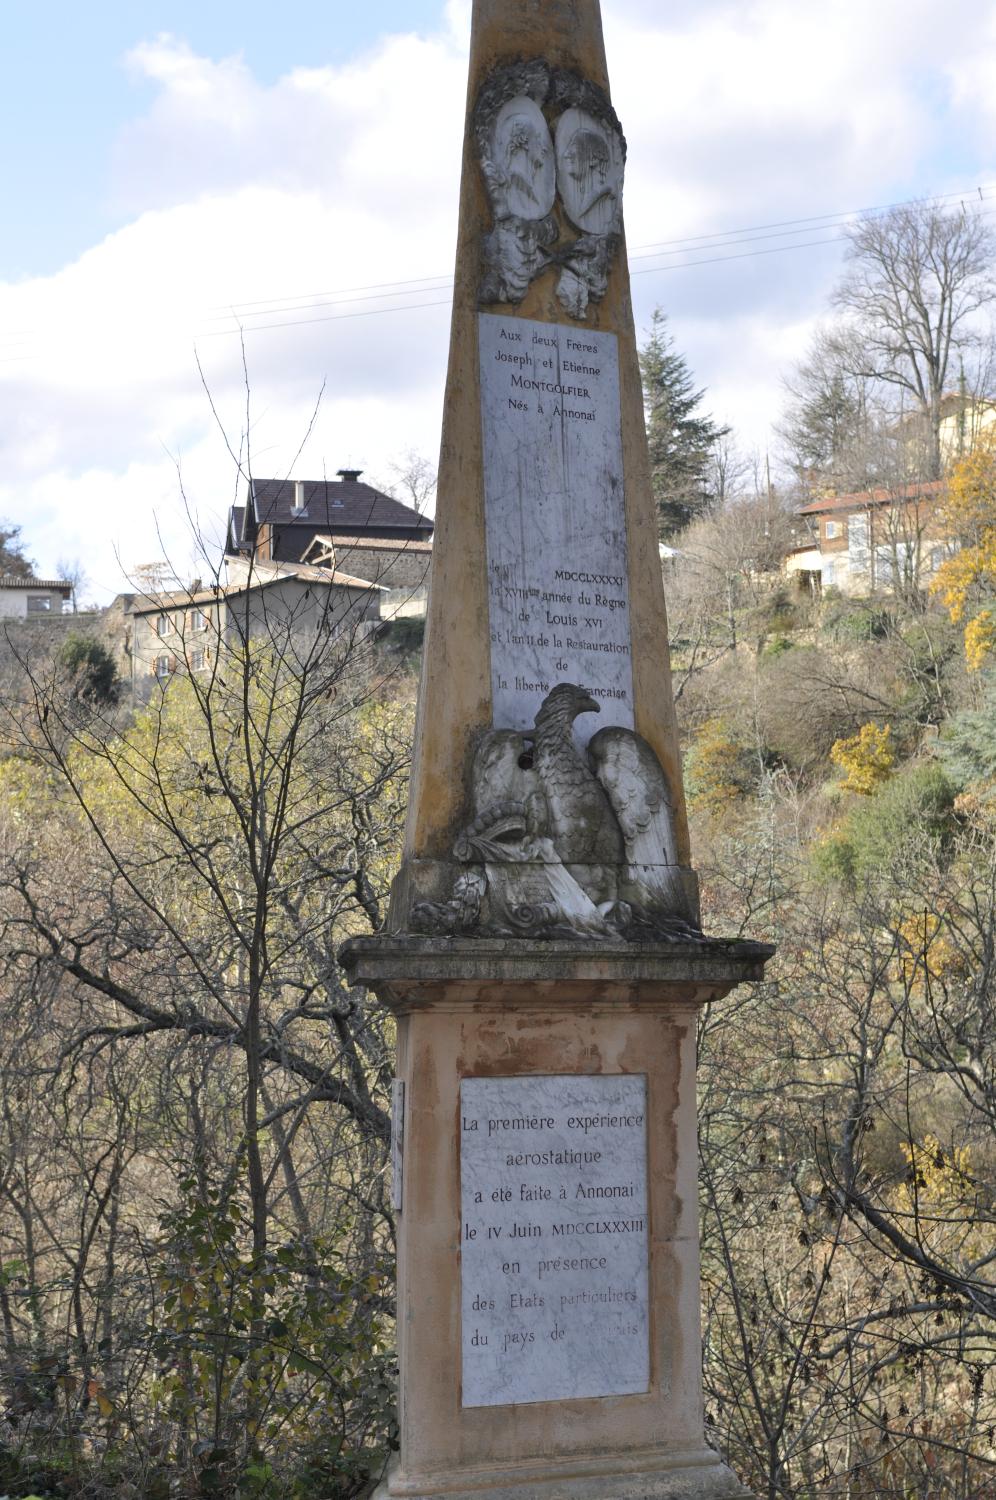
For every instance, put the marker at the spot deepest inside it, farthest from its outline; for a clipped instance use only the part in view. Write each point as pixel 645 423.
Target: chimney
pixel 349 476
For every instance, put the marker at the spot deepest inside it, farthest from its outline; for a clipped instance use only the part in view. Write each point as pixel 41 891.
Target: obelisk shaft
pixel 456 698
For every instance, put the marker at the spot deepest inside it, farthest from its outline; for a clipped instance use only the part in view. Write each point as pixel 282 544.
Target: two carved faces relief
pixel 541 131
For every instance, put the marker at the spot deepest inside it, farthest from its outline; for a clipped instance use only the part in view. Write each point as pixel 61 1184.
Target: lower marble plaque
pixel 554 1242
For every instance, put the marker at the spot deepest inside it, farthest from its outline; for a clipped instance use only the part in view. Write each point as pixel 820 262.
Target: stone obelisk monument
pixel 544 956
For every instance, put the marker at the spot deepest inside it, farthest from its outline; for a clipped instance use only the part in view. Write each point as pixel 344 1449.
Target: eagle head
pixel 566 701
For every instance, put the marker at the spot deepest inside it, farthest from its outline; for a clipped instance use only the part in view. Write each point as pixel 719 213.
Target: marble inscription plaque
pixel 554 1247
pixel 558 575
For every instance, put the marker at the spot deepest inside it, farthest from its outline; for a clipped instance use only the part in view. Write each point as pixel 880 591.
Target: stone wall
pixel 394 566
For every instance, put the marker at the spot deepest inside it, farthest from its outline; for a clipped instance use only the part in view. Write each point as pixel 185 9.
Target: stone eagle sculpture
pixel 566 842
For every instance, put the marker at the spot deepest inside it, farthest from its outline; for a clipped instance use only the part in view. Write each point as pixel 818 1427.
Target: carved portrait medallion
pixel 540 129
pixel 524 178
pixel 590 171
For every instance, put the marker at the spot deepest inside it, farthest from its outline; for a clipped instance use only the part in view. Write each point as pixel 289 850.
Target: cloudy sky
pixel 173 169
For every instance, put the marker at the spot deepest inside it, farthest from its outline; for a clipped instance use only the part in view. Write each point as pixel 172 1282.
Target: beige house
pixel 287 608
pixel 874 540
pixel 965 420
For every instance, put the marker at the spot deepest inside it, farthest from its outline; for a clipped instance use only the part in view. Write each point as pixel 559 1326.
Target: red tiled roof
pixel 865 499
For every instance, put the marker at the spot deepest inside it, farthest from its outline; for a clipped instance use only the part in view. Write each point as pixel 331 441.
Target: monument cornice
pixel 410 971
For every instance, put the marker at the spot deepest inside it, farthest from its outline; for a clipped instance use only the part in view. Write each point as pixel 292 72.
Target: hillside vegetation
pixel 196 1233
pixel 841 772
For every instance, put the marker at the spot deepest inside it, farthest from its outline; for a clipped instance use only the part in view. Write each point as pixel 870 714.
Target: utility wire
pixel 686 246
pixel 244 309
pixel 700 241
pixel 411 307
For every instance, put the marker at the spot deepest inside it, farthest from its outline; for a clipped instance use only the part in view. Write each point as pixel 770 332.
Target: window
pixel 198 660
pixel 163 667
pixel 828 575
pixel 39 604
pixel 198 620
pixel 832 530
pixel 162 624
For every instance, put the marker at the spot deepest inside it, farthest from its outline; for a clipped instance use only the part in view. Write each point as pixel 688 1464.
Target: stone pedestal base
pixel 473 1012
pixel 683 1477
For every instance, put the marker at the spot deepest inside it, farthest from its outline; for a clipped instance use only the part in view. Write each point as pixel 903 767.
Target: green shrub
pixel 719 769
pixel 881 834
pixel 968 746
pixel 405 636
pixel 91 667
pixel 856 624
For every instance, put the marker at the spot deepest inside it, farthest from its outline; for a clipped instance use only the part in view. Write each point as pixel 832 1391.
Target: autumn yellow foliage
pixel 716 768
pixel 928 952
pixel 867 759
pixel 965 582
pixel 938 1179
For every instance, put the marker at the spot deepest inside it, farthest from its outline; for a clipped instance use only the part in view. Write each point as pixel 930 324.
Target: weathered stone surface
pixel 558 569
pixel 525 1030
pixel 456 700
pixel 680 1477
pixel 565 842
pixel 501 813
pixel 518 107
pixel 553 1240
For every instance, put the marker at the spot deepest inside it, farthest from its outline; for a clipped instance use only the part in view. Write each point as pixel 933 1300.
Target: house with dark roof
pixel 283 517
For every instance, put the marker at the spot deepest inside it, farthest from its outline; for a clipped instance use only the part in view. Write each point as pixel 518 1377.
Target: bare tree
pixel 193 1133
pixel 846 1126
pixel 412 477
pixel 72 571
pixel 825 417
pixel 917 280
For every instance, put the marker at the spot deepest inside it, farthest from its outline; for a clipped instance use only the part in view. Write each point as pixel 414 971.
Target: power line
pixel 745 234
pixel 370 312
pixel 414 306
pixel 642 271
pixel 843 214
pixel 692 244
pixel 716 260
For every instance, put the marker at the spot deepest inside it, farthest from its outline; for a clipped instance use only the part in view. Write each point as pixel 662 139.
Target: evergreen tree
pixel 13 563
pixel 681 438
pixel 968 747
pixel 826 425
pixel 92 669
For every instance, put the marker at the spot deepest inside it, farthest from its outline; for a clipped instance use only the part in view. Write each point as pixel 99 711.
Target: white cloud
pixel 973 76
pixel 340 178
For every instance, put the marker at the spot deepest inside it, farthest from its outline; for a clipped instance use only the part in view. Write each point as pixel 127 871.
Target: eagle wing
pixel 641 798
pixel 638 790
